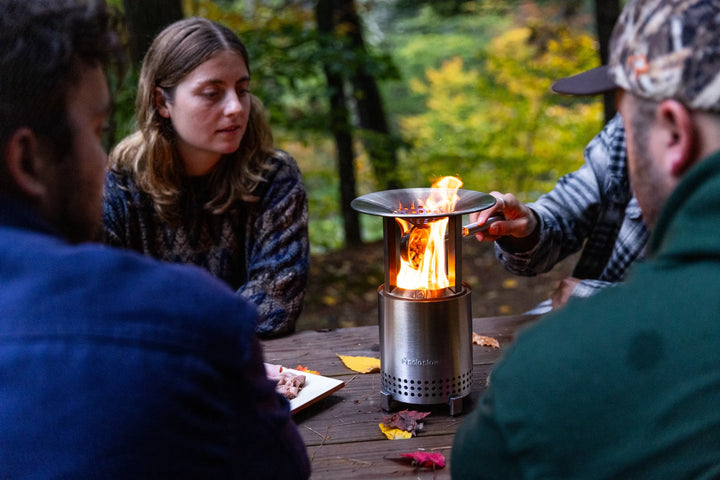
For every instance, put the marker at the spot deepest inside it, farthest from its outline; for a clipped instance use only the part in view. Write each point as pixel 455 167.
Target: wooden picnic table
pixel 341 431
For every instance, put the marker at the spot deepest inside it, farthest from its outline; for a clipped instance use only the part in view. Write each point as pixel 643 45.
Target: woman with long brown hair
pixel 200 182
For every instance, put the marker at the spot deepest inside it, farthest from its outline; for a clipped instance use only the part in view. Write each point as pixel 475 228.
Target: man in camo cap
pixel 626 384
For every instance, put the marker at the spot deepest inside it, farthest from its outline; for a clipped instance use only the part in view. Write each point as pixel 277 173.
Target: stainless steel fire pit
pixel 425 333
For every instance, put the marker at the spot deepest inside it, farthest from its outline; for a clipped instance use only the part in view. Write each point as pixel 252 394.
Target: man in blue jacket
pixel 112 365
pixel 626 384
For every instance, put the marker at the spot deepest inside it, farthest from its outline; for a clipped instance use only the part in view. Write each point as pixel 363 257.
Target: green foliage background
pixel 498 125
pixel 469 95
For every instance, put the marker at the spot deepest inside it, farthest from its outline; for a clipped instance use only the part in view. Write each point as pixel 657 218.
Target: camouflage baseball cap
pixel 659 50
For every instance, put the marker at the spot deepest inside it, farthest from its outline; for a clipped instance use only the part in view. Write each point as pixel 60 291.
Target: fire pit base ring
pixel 454 403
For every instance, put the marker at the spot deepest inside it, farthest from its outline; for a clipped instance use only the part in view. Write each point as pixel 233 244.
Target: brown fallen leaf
pixel 484 341
pixel 406 420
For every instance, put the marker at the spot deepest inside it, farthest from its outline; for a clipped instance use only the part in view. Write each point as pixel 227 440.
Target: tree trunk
pixel 341 129
pixel 145 19
pixel 606 14
pixel 376 137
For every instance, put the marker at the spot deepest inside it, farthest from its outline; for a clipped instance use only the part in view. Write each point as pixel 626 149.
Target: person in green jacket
pixel 626 384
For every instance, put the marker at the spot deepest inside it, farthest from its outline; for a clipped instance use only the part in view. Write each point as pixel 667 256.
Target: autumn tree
pixel 504 125
pixel 374 129
pixel 339 121
pixel 605 14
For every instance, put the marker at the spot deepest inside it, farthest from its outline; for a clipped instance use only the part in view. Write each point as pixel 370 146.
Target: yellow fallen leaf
pixel 393 433
pixel 510 283
pixel 361 364
pixel 484 341
pixel 505 310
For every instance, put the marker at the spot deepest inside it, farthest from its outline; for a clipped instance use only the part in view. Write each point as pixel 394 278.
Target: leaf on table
pixel 305 369
pixel 426 459
pixel 361 364
pixel 393 433
pixel 484 341
pixel 406 420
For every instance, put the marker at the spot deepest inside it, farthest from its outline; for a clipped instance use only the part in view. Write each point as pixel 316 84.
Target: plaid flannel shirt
pixel 592 209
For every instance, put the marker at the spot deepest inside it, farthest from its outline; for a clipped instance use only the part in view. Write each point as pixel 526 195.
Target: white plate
pixel 316 388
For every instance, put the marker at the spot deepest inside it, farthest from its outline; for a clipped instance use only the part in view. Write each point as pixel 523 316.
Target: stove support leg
pixel 385 401
pixel 456 405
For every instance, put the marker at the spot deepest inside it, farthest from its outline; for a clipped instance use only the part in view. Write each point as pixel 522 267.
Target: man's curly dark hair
pixel 44 45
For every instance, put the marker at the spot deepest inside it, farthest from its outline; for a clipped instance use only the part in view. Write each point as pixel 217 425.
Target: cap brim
pixel 591 82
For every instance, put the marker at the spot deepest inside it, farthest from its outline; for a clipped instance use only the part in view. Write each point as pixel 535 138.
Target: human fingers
pixel 515 227
pixel 563 292
pixel 516 219
pixel 497 209
pixel 482 217
pixel 512 208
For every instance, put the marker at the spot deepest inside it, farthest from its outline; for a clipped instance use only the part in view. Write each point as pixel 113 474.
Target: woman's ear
pixel 161 103
pixel 680 137
pixel 25 165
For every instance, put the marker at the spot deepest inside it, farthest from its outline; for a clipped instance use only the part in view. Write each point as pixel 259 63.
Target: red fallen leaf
pixel 407 420
pixel 425 459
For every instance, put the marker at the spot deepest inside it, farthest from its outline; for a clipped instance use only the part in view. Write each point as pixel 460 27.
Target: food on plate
pixel 289 384
pixel 272 370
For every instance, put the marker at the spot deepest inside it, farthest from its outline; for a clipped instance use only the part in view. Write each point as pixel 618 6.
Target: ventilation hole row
pixel 427 388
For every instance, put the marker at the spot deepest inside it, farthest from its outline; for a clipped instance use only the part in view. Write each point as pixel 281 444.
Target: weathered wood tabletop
pixel 341 431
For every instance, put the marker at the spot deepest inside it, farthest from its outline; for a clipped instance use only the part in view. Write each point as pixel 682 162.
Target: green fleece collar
pixel 689 223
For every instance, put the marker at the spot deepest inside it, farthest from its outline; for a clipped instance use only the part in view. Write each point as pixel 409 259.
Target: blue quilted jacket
pixel 113 365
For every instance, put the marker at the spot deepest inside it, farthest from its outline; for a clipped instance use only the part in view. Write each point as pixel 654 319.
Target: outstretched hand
pixel 563 292
pixel 519 221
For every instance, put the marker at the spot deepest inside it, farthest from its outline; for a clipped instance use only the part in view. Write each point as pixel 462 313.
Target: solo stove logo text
pixel 416 362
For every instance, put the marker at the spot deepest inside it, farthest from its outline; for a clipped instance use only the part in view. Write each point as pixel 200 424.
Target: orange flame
pixel 426 266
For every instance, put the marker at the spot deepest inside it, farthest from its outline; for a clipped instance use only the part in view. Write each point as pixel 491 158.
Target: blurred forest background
pixel 370 95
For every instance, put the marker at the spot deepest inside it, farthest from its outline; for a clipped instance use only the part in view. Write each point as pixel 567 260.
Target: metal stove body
pixel 425 336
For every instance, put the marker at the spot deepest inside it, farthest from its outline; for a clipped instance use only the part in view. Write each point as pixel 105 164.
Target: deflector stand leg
pixel 386 401
pixel 456 405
